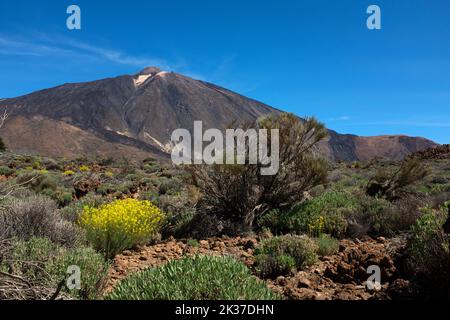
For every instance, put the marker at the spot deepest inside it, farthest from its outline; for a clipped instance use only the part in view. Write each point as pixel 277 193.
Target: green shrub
pixel 427 227
pixel 179 224
pixel 107 161
pixel 324 214
pixel 150 195
pixel 377 215
pixel 151 168
pixel 170 186
pixel 135 177
pixel 106 188
pixel 63 197
pixel 392 184
pixel 271 220
pixel 268 266
pixel 428 255
pixel 73 211
pixel 193 278
pixel 439 188
pixel 27 177
pixel 380 217
pixel 272 255
pixel 51 164
pixel 180 213
pixel 93 269
pixel 6 171
pixel 125 187
pixel 37 164
pixel 38 250
pixel 149 160
pixel 326 245
pixel 44 263
pixel 193 243
pixel 39 181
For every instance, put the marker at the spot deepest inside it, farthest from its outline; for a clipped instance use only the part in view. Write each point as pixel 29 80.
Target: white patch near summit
pixel 141 79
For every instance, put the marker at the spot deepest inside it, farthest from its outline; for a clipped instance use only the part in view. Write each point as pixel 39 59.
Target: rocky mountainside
pixel 134 115
pixel 440 152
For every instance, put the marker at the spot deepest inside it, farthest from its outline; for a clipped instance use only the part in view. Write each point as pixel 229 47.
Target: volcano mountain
pixel 134 115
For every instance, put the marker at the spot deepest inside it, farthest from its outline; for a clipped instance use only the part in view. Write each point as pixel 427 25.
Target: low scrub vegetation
pixel 428 253
pixel 36 216
pixel 326 245
pixel 393 183
pixel 195 278
pixel 284 254
pixel 54 212
pixel 43 265
pixel 325 214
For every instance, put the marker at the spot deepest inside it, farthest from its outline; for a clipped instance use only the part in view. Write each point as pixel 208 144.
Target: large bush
pixel 285 254
pixel 392 183
pixel 36 216
pixel 428 254
pixel 236 195
pixel 380 217
pixel 194 278
pixel 44 264
pixel 121 224
pixel 6 171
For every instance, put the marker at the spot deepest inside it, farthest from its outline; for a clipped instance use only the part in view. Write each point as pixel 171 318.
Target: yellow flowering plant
pixel 109 174
pixel 120 225
pixel 84 168
pixel 316 226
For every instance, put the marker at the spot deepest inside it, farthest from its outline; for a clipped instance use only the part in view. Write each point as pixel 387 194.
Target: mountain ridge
pixel 135 115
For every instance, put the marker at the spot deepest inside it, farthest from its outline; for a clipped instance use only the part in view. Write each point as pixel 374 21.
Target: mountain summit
pixel 150 70
pixel 136 114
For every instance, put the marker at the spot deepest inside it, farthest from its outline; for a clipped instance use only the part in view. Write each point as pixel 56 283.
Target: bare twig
pixel 15 278
pixel 7 191
pixel 3 118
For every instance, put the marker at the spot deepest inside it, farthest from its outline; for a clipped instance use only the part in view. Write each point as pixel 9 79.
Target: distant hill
pixel 134 115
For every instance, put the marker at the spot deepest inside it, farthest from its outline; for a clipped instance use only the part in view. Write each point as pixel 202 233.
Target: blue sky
pixel 312 57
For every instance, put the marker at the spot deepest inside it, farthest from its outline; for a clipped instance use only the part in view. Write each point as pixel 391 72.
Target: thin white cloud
pixel 10 46
pixel 64 47
pixel 117 56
